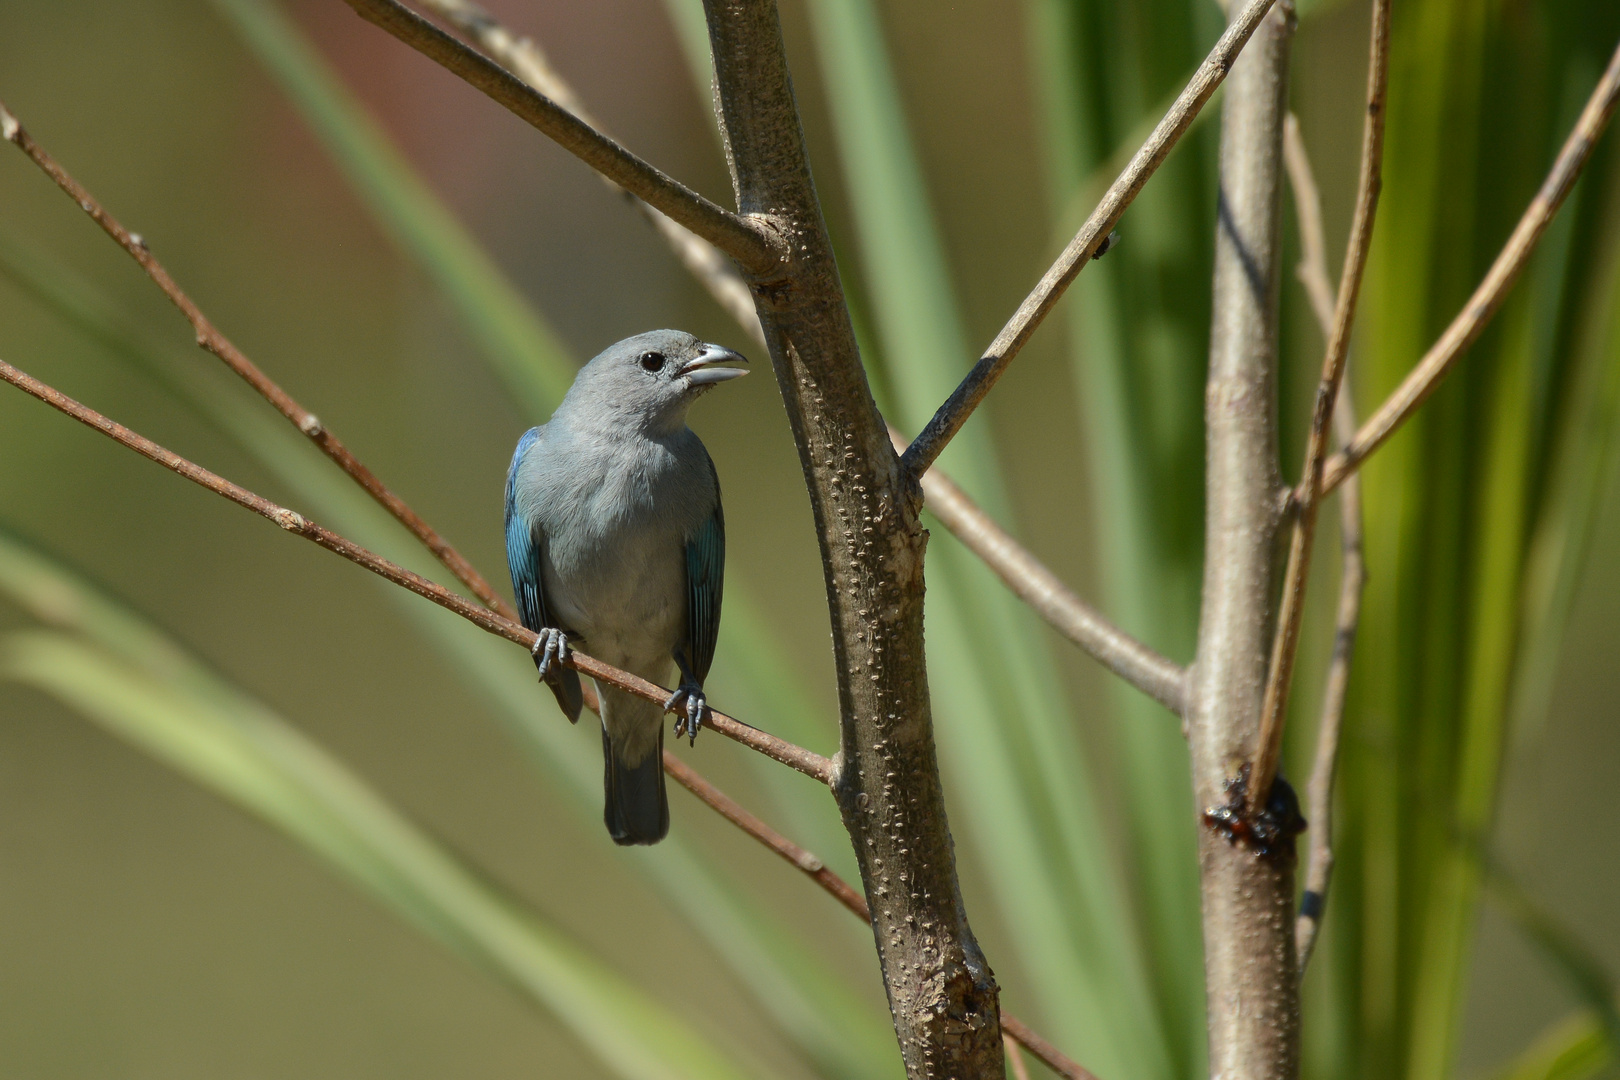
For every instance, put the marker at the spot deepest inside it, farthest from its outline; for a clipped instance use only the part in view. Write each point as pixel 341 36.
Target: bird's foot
pixel 688 704
pixel 550 647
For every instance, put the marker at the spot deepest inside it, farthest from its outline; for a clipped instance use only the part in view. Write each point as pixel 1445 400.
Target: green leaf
pixel 1573 1049
pixel 145 690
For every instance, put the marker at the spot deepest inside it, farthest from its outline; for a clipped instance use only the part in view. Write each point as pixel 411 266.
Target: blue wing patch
pixel 523 560
pixel 705 575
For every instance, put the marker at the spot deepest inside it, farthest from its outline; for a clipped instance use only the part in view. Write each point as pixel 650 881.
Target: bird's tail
pixel 636 808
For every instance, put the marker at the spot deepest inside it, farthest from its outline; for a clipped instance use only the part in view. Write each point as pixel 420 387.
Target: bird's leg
pixel 689 719
pixel 551 646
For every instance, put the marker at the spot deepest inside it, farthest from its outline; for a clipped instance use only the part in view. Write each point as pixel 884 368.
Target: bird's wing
pixel 522 548
pixel 705 574
pixel 528 589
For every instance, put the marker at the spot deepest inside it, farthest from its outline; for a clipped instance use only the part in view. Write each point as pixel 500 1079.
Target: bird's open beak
pixel 702 369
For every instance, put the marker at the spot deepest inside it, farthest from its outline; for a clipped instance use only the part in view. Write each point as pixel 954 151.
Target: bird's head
pixel 653 378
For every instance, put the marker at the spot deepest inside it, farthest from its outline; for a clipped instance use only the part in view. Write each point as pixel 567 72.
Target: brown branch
pixel 840 890
pixel 811 764
pixel 942 994
pixel 1471 321
pixel 1250 973
pixel 746 241
pixel 209 338
pixel 523 57
pixel 1285 644
pixel 950 417
pixel 1015 1056
pixel 1032 582
pixel 1312 273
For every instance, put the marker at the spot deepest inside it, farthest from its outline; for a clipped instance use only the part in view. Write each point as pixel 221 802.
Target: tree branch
pixel 1086 245
pixel 1248 898
pixel 942 995
pixel 209 338
pixel 1032 582
pixel 1481 306
pixel 746 241
pixel 1285 644
pixel 811 764
pixel 1312 273
pixel 524 58
pixel 841 891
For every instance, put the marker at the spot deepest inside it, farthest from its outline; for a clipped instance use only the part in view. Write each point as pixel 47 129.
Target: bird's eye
pixel 652 361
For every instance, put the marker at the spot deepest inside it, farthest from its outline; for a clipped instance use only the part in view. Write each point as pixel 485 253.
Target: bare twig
pixel 1312 273
pixel 1481 306
pixel 1312 268
pixel 1084 247
pixel 1285 643
pixel 744 240
pixel 1015 1056
pixel 209 338
pixel 1319 792
pixel 811 764
pixel 840 890
pixel 1248 898
pixel 524 58
pixel 1031 581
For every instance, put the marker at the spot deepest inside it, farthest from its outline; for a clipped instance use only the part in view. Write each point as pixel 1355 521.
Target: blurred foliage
pixel 1070 808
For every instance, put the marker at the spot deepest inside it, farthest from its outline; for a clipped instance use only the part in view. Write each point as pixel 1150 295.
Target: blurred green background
pixel 152 928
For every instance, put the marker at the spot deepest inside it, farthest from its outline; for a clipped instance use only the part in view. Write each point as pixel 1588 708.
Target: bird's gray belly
pixel 623 594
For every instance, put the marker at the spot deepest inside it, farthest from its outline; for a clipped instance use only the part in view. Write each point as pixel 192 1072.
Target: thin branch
pixel 1470 322
pixel 742 239
pixel 1312 273
pixel 209 338
pixel 1015 1056
pixel 811 764
pixel 1246 877
pixel 1032 582
pixel 1085 246
pixel 1312 268
pixel 1285 644
pixel 1319 791
pixel 523 57
pixel 844 893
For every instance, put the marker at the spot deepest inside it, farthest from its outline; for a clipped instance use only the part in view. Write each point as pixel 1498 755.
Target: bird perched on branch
pixel 616 543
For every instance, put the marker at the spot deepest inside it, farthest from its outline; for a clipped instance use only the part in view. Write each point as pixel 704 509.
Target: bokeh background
pixel 151 928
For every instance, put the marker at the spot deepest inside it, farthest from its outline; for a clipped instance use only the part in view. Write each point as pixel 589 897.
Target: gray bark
pixel 1248 897
pixel 941 992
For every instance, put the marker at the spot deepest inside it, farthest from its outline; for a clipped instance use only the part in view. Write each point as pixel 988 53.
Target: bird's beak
pixel 702 369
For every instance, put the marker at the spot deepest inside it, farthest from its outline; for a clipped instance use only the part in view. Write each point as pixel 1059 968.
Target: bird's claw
pixel 550 647
pixel 690 718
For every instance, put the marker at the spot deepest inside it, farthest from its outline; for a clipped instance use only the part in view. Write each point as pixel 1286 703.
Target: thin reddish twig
pixel 209 338
pixel 805 761
pixel 1481 306
pixel 1285 644
pixel 951 415
pixel 845 894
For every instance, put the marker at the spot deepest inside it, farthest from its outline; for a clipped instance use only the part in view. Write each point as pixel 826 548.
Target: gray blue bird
pixel 616 544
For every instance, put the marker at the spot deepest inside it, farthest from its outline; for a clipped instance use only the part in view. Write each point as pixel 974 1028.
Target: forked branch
pixel 1471 321
pixel 738 237
pixel 209 338
pixel 805 761
pixel 1087 243
pixel 1285 643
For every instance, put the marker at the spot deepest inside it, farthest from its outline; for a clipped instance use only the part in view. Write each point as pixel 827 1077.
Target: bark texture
pixel 1248 897
pixel 941 992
